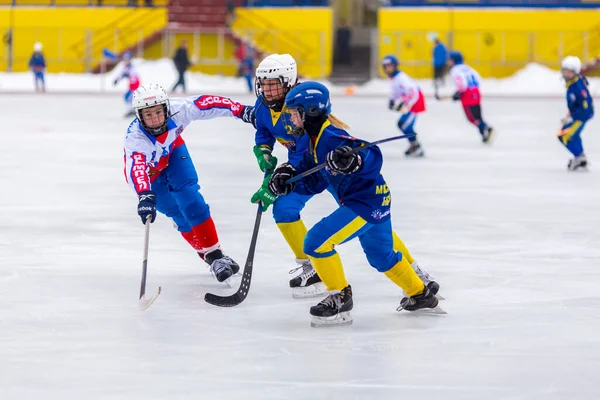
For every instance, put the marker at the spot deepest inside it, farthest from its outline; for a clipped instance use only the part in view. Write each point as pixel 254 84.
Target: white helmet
pixel 277 66
pixel 37 46
pixel 149 96
pixel 571 63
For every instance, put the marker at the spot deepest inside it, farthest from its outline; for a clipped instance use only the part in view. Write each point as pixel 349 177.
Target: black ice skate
pixel 578 163
pixel 414 150
pixel 425 302
pixel 487 135
pixel 221 266
pixel 308 283
pixel 427 279
pixel 333 310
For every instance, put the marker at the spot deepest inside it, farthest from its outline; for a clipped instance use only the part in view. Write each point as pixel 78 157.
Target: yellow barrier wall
pixel 64 33
pixel 488 36
pixel 305 33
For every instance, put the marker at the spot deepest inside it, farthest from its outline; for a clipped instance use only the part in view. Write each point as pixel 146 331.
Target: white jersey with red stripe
pixel 406 89
pixel 147 155
pixel 467 82
pixel 130 73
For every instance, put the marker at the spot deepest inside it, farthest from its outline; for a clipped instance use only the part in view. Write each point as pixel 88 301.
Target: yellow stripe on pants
pixel 330 268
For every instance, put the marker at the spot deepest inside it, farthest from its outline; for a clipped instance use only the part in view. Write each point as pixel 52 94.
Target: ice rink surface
pixel 512 237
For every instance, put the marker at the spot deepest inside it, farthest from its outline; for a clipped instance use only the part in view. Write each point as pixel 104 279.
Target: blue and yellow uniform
pixel 581 109
pixel 364 213
pixel 271 127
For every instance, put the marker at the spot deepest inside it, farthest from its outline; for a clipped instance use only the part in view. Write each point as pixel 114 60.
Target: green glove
pixel 264 195
pixel 264 157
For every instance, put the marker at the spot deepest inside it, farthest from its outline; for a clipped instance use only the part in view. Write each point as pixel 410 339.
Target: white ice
pixel 512 237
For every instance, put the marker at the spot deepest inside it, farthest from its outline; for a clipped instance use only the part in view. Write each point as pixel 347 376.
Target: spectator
pixel 342 44
pixel 440 56
pixel 182 63
pixel 230 16
pixel 37 64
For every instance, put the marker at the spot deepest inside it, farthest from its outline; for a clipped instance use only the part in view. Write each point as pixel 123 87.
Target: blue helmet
pixel 456 56
pixel 390 60
pixel 311 99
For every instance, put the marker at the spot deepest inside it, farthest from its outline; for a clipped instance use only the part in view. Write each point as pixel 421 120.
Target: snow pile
pixel 533 80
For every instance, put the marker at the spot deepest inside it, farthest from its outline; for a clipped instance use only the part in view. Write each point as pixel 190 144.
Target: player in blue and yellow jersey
pixel 364 205
pixel 276 75
pixel 581 110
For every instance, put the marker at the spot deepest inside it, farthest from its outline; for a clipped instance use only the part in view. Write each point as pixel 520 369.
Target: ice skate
pixel 221 266
pixel 488 135
pixel 427 279
pixel 414 150
pixel 333 310
pixel 578 164
pixel 308 283
pixel 424 303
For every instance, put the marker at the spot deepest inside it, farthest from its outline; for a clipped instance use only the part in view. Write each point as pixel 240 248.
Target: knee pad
pixel 285 212
pixel 194 209
pixel 313 245
pixel 384 262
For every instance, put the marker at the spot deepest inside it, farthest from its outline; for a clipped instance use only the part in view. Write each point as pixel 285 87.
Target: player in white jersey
pixel 159 168
pixel 467 82
pixel 406 97
pixel 130 74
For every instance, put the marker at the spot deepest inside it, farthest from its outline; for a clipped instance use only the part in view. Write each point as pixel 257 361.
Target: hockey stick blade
pixel 241 294
pixel 145 302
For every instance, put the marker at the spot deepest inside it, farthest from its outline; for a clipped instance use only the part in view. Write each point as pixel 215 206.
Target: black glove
pixel 343 161
pixel 391 104
pixel 456 96
pixel 115 82
pixel 249 115
pixel 281 174
pixel 147 205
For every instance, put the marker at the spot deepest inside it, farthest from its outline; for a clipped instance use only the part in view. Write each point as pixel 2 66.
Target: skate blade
pixel 343 318
pixel 438 295
pixel 315 290
pixel 426 311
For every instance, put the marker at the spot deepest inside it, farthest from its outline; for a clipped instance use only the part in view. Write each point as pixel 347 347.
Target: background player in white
pixel 467 82
pixel 406 97
pixel 159 168
pixel 131 74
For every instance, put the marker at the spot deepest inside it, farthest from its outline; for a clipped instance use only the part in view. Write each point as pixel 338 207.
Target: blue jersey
pixel 579 101
pixel 365 192
pixel 37 62
pixel 440 55
pixel 271 127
